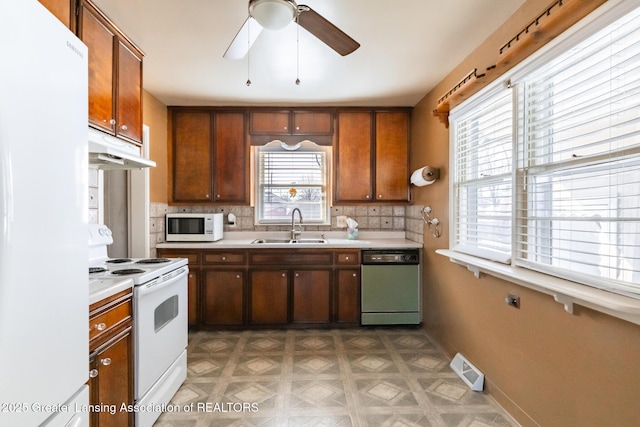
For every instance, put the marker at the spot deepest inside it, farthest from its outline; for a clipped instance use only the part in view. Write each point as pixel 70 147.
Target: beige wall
pixel 155 116
pixel 545 366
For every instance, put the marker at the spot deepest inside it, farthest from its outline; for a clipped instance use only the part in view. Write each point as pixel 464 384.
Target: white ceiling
pixel 407 47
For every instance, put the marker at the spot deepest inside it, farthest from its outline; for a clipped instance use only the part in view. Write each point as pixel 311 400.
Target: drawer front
pixel 348 258
pixel 104 322
pixel 276 257
pixel 193 257
pixel 224 258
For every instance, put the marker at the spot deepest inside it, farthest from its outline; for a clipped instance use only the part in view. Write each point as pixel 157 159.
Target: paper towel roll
pixel 425 176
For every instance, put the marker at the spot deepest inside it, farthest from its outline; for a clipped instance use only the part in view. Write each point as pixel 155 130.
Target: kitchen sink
pixel 302 241
pixel 288 241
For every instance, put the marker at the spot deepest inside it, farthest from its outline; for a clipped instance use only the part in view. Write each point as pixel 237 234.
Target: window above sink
pixel 289 177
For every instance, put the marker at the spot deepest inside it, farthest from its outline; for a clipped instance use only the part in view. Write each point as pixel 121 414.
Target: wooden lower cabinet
pixel 223 297
pixel 347 296
pixel 193 292
pixel 311 296
pixel 235 288
pixel 269 297
pixel 111 360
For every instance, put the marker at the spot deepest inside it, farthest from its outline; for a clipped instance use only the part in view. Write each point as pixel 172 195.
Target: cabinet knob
pixel 346 258
pixel 100 326
pixel 297 127
pixel 123 127
pixel 218 196
pixel 112 121
pixel 237 276
pixel 354 274
pixel 297 275
pixel 206 196
pixel 93 373
pixel 285 128
pixel 379 196
pixel 284 274
pixel 106 361
pixel 367 196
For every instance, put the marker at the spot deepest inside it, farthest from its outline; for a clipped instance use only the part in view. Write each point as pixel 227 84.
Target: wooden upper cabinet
pixel 115 76
pixel 210 156
pixel 129 93
pixel 231 157
pixel 288 122
pixel 192 156
pixel 354 178
pixel 99 38
pixel 270 123
pixel 372 156
pixel 64 10
pixel 312 123
pixel 392 156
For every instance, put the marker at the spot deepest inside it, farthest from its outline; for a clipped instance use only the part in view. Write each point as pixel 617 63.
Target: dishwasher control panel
pixel 390 256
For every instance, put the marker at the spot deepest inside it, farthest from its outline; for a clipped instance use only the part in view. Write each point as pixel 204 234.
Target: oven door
pixel 160 327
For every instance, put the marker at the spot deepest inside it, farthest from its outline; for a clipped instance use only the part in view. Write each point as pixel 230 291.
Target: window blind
pixel 482 163
pixel 578 169
pixel 292 179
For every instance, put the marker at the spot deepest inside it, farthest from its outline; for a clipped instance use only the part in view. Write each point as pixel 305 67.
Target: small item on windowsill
pixel 352 229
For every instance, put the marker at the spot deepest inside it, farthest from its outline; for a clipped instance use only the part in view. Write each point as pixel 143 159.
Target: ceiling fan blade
pixel 324 30
pixel 243 41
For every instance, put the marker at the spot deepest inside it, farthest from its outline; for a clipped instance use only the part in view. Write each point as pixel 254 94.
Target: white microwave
pixel 193 227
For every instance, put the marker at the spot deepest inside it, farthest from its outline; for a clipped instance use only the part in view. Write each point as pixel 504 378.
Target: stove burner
pixel 118 260
pixel 153 261
pixel 97 270
pixel 126 271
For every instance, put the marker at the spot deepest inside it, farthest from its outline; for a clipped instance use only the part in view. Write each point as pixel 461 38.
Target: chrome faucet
pixel 295 232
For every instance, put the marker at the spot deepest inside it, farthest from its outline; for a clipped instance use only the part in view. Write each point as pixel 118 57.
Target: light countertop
pixel 100 289
pixel 334 239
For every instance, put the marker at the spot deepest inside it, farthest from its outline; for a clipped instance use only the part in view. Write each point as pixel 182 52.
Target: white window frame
pixel 324 185
pixel 564 290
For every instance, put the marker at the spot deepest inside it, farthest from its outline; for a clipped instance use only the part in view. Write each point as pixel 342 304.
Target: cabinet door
pixel 347 296
pixel 392 156
pixel 230 171
pixel 312 123
pixel 311 296
pixel 269 123
pixel 192 166
pixel 99 38
pixel 193 297
pixel 223 296
pixel 353 157
pixel 64 10
pixel 113 384
pixel 129 97
pixel 269 299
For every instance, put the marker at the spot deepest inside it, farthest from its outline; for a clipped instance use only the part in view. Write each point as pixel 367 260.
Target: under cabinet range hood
pixel 108 152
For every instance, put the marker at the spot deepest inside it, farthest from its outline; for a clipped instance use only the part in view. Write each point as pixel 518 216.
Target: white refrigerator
pixel 43 220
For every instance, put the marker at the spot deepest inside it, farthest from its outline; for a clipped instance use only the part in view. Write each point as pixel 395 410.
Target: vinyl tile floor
pixel 366 377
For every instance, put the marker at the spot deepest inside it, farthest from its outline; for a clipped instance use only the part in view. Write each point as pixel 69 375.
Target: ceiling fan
pixel 277 14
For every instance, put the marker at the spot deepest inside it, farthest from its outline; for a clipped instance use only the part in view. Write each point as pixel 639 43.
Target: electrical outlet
pixel 512 300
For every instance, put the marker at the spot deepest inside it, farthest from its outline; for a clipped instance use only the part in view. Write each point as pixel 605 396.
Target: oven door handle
pixel 164 281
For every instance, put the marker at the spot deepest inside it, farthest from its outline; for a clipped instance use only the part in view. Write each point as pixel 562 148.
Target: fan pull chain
pixel 248 52
pixel 298 50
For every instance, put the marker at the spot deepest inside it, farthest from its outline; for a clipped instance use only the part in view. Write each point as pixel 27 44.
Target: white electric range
pixel 159 317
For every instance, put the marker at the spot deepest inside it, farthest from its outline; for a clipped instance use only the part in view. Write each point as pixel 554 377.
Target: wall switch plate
pixel 341 221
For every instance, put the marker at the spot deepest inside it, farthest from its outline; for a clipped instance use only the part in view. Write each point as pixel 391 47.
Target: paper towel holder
pixel 425 176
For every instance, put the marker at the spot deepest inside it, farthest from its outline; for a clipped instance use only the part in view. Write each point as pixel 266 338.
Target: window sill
pixel 563 291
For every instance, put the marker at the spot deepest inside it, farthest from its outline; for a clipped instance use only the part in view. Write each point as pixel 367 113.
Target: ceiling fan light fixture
pixel 273 14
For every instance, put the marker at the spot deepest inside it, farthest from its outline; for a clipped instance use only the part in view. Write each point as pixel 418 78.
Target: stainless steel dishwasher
pixel 390 287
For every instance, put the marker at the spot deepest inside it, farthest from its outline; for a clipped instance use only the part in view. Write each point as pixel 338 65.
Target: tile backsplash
pixel 372 218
